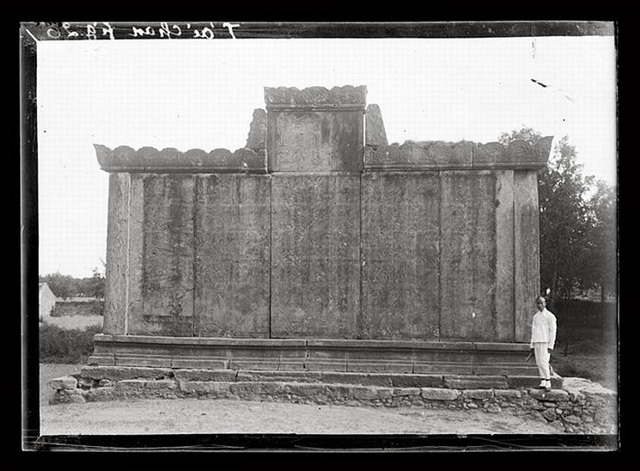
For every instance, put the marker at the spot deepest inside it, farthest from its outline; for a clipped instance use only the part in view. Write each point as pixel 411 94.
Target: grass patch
pixel 58 345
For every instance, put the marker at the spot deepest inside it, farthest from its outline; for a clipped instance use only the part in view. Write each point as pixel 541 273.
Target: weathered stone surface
pixel 315 96
pixel 205 375
pixel 367 379
pixel 257 138
pixel 417 381
pixel 441 153
pixel 400 256
pixel 463 153
pixel 475 382
pixel 507 393
pixel 554 395
pixel 116 276
pixel 375 134
pixel 171 160
pixel 415 154
pixel 315 141
pixel 504 276
pixel 217 389
pixel 281 376
pixel 167 257
pixel 527 252
pixel 315 270
pixel 134 303
pixel 437 240
pixel 406 392
pixel 542 148
pixel 572 419
pixel 491 152
pixel 124 372
pixel 68 396
pixel 64 382
pixel 492 408
pixel 232 239
pixel 467 255
pixel 520 151
pixel 438 394
pixel 531 381
pixel 144 359
pixel 579 388
pixel 199 363
pixel 101 394
pixel 130 387
pixel 161 384
pixel 477 394
pixel 372 393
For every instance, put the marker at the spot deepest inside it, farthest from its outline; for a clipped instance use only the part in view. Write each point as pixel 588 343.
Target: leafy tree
pixel 602 239
pixel 66 286
pixel 63 286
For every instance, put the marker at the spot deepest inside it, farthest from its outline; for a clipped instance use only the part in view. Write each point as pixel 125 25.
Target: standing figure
pixel 543 338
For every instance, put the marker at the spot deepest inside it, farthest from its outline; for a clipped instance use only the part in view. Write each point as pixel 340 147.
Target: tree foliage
pixel 577 224
pixel 66 286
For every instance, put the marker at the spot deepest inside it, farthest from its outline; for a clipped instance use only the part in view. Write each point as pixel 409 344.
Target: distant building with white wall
pixel 47 301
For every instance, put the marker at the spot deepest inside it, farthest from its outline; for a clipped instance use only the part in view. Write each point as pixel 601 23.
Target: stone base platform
pixel 315 355
pixel 577 406
pixel 389 373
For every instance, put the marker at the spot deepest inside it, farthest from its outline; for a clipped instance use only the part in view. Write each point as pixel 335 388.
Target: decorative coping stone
pixel 346 97
pixel 439 155
pixel 170 160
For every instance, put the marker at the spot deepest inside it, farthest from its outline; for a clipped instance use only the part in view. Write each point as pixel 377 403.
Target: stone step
pixel 92 375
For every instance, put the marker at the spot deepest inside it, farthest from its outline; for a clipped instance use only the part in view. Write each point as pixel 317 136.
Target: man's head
pixel 541 303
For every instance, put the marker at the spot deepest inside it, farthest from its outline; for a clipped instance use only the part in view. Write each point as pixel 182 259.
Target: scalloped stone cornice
pixel 150 159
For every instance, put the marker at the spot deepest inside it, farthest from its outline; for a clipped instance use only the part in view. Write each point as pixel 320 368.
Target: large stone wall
pixel 321 229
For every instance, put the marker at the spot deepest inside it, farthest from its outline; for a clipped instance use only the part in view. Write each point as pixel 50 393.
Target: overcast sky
pixel 201 94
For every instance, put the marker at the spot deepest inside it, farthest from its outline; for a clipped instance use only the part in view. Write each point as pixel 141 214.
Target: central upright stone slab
pixel 315 140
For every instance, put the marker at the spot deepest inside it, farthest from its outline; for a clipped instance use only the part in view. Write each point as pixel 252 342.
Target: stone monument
pixel 320 247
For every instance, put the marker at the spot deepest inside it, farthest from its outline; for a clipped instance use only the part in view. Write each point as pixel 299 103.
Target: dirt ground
pixel 193 416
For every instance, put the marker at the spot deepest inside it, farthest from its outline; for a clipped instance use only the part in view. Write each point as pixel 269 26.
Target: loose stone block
pixel 315 271
pixel 68 396
pixel 468 255
pixel 400 256
pixel 507 393
pixel 438 394
pixel 477 394
pixel 65 382
pixel 231 274
pixel 100 394
pixel 555 395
